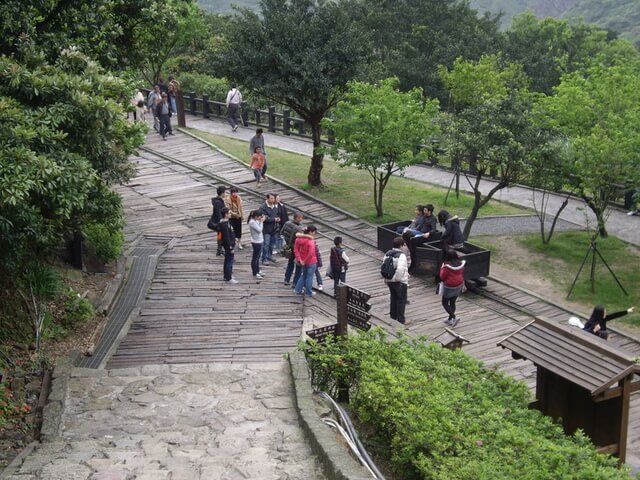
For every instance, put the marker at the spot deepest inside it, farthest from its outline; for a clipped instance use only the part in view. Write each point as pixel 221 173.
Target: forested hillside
pixel 622 16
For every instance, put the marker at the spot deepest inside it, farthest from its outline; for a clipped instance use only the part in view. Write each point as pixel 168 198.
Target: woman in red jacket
pixel 452 281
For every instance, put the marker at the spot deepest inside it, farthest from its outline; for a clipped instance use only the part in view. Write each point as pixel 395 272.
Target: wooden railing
pixel 270 119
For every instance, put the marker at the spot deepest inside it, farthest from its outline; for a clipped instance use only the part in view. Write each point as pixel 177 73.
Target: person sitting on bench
pixel 452 235
pixel 416 224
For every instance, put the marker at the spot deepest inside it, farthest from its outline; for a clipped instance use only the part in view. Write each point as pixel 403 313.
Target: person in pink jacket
pixel 304 251
pixel 452 278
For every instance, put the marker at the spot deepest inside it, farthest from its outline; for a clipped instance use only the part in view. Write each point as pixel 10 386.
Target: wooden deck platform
pixel 190 315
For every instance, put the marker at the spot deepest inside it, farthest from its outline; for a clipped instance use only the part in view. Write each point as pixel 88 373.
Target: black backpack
pixel 388 268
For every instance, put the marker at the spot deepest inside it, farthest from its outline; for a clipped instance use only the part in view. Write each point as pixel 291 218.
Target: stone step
pixel 176 422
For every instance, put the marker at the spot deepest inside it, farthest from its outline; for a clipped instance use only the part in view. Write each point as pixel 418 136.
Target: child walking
pixel 257 162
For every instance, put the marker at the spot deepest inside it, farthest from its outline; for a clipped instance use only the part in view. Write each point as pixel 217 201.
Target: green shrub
pixel 201 83
pixel 438 414
pixel 107 241
pixel 41 279
pixel 52 330
pixel 77 309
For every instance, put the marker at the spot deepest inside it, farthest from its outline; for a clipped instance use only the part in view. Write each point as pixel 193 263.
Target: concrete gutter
pixel 336 460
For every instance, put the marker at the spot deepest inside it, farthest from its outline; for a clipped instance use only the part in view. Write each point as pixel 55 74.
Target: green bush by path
pixel 438 414
pixel 350 188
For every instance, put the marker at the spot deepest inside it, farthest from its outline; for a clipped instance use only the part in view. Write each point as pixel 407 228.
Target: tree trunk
pixel 315 169
pixel 472 216
pixel 555 220
pixel 376 197
pixel 599 213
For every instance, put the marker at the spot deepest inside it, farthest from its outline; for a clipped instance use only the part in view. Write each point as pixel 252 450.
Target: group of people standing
pixel 271 230
pixel 451 274
pixel 161 102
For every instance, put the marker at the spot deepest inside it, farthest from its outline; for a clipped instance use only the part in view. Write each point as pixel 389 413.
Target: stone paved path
pixel 179 422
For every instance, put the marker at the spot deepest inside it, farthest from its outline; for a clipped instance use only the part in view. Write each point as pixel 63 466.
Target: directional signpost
pixel 320 334
pixel 353 308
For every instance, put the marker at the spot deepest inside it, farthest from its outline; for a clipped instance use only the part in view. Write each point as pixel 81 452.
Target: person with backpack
pixel 395 272
pixel 339 262
pixel 216 216
pixel 452 280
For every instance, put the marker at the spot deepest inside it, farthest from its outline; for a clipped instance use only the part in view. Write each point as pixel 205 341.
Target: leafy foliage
pixel 411 39
pixel 63 140
pixel 299 53
pixel 438 414
pixel 495 134
pixel 377 129
pixel 77 309
pixel 598 113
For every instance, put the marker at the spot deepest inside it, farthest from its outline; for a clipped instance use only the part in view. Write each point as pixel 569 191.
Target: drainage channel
pixel 128 298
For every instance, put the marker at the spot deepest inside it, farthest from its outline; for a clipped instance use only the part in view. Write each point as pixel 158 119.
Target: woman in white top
pixel 255 231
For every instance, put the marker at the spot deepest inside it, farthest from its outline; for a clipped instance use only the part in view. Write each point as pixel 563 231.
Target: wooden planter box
pixel 386 234
pixel 429 258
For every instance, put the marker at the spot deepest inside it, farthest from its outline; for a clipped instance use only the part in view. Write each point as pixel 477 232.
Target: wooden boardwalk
pixel 190 315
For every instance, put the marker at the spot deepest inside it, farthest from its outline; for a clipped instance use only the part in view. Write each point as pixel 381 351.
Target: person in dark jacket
pixel 289 231
pixel 597 323
pixel 228 240
pixel 283 215
pixel 452 278
pixel 339 263
pixel 163 112
pixel 216 216
pixel 269 227
pixel 452 235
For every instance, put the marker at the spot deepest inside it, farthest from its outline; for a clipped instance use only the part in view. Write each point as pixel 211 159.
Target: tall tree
pixel 300 53
pixel 599 112
pixel 494 131
pixel 413 38
pixel 548 48
pixel 120 34
pixel 377 129
pixel 63 141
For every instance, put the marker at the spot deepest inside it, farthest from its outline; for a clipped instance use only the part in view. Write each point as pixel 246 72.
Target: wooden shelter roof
pixel 577 356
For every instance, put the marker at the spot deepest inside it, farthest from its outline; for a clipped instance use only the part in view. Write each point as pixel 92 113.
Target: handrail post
pixel 205 106
pixel 286 121
pixel 272 119
pixel 192 102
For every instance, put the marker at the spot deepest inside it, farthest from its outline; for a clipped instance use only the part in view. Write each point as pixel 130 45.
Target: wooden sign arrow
pixel 355 294
pixel 319 334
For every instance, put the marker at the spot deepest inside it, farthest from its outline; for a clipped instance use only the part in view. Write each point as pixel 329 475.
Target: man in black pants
pixel 216 216
pixel 399 282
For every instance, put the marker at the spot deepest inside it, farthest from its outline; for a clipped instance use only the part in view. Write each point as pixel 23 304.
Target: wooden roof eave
pixel 630 370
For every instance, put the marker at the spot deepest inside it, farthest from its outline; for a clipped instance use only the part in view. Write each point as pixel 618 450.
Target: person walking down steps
pixel 234 99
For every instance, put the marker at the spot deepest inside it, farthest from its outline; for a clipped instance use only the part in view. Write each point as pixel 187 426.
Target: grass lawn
pixel 351 189
pixel 561 261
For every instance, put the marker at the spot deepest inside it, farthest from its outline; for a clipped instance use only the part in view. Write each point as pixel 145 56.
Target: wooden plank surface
pixel 190 315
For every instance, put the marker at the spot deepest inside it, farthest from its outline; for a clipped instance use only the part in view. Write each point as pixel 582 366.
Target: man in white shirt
pixel 234 99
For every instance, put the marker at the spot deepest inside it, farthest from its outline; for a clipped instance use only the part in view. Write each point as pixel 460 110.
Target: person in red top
pixel 452 281
pixel 304 251
pixel 257 162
